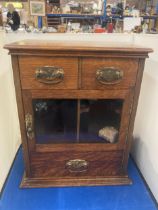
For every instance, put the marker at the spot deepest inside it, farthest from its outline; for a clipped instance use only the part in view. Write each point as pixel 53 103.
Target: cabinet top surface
pixel 76 46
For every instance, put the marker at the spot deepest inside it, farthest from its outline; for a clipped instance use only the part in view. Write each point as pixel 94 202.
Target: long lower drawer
pixel 76 164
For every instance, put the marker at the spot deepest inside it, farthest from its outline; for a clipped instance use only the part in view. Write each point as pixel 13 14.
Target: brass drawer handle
pixel 109 75
pixel 29 126
pixel 49 74
pixel 77 165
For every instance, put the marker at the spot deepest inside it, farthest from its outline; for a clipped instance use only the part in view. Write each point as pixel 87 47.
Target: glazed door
pixel 55 120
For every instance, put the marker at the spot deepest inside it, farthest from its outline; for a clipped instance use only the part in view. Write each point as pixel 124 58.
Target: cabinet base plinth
pixel 63 182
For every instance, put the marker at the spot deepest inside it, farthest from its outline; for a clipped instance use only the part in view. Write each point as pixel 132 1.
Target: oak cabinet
pixel 76 104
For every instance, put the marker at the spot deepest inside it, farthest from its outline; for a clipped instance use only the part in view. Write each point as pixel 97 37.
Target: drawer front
pixel 48 72
pixel 104 73
pixel 76 164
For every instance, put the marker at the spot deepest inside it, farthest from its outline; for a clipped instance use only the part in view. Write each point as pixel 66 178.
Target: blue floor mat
pixel 132 197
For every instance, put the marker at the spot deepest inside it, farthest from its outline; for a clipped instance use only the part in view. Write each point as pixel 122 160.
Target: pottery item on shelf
pixel 99 30
pixel 108 133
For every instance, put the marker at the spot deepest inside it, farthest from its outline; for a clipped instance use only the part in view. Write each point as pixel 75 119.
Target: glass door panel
pixel 55 120
pixel 77 121
pixel 100 120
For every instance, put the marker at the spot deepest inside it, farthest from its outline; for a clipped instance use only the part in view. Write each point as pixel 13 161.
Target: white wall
pixel 145 145
pixel 9 127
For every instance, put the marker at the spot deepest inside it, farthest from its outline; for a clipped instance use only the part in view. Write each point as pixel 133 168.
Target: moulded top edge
pixel 77 46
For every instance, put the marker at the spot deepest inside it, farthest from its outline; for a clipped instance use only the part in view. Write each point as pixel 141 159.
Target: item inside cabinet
pixel 108 133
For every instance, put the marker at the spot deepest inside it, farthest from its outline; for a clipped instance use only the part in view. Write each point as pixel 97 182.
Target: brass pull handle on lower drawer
pixel 77 165
pixel 109 75
pixel 49 74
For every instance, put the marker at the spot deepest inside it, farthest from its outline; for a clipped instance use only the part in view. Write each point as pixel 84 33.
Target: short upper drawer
pixel 48 72
pixel 103 73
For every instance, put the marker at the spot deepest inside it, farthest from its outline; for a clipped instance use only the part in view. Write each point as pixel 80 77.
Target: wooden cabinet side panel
pixel 17 83
pixel 125 117
pixel 133 112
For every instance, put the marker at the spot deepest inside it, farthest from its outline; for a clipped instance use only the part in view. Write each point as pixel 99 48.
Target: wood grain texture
pixel 54 164
pixel 107 163
pixel 17 83
pixel 77 46
pixel 28 109
pixel 125 118
pixel 91 65
pixel 62 182
pixel 80 94
pixel 80 54
pixel 134 104
pixel 29 64
pixel 81 147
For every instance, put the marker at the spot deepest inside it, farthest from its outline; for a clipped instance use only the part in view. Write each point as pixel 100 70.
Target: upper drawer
pixel 48 72
pixel 103 73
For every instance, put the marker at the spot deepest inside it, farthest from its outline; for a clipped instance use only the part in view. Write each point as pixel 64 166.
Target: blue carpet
pixel 133 197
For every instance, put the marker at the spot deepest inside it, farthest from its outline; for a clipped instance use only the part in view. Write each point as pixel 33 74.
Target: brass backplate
pixel 109 75
pixel 77 165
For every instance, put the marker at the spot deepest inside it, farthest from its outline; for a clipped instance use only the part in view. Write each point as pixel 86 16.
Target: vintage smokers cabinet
pixel 77 103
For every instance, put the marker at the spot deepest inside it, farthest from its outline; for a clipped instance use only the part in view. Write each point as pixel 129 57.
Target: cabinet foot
pixel 62 182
